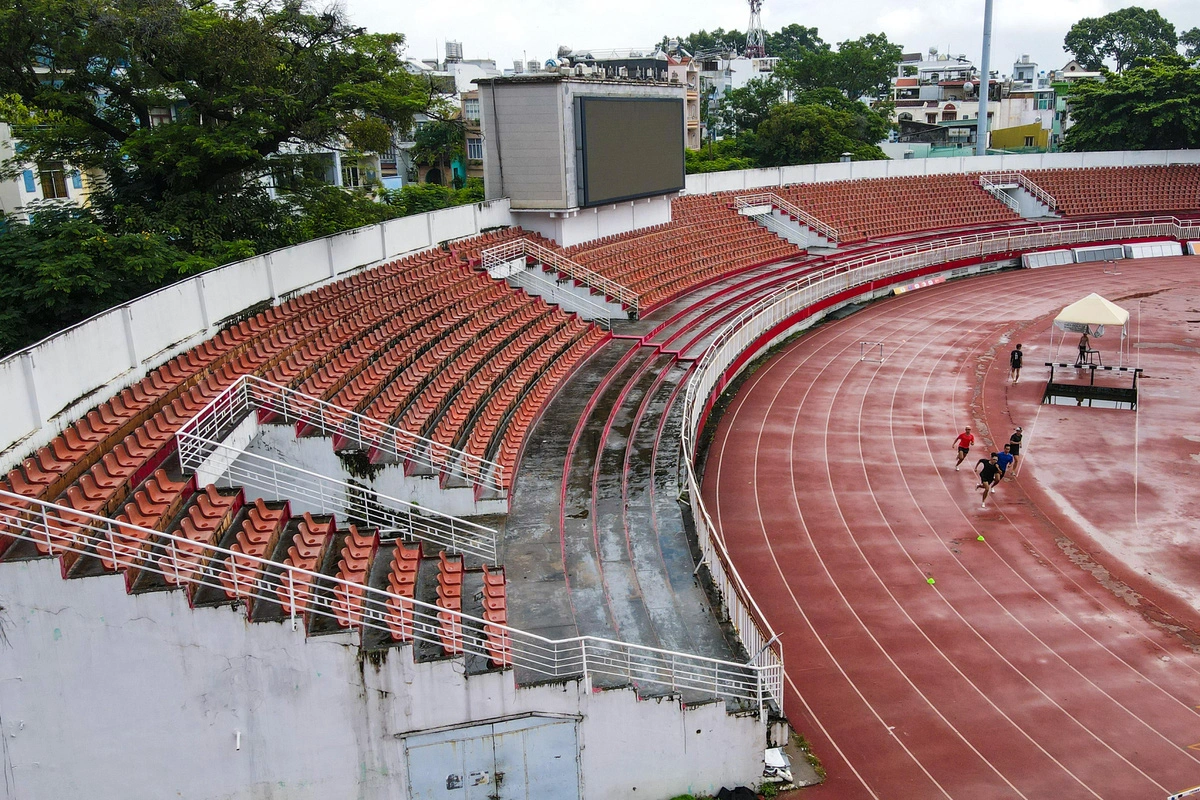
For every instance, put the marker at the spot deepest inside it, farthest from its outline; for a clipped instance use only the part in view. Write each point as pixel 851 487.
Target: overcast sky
pixel 512 29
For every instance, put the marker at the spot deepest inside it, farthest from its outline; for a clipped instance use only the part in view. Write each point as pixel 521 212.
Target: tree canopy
pixel 744 108
pixel 860 67
pixel 1153 105
pixel 1191 44
pixel 1121 37
pixel 183 114
pixel 811 133
pixel 178 103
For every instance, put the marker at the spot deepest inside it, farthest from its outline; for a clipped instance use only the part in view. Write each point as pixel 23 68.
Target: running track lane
pixel 1013 675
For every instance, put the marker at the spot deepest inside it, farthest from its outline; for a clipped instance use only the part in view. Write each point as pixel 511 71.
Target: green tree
pixel 791 41
pixel 727 154
pixel 1191 43
pixel 1122 37
pixel 744 108
pixel 1154 105
pixel 810 134
pixel 718 39
pixel 860 67
pixel 439 143
pixel 63 266
pixel 184 106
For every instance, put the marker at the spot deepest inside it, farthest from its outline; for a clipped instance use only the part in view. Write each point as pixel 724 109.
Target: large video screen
pixel 630 147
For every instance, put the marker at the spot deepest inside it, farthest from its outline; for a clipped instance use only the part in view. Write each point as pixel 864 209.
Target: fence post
pixel 112 546
pixel 174 560
pixel 291 579
pixel 46 530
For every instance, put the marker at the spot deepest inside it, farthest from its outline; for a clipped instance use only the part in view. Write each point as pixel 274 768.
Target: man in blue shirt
pixel 1004 461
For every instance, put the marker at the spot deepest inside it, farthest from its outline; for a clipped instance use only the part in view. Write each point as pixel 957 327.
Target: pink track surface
pixel 1055 659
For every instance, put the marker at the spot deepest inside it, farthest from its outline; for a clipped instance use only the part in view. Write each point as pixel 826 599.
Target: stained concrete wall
pixel 109 696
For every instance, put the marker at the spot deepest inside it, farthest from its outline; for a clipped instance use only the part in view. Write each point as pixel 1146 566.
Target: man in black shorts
pixel 1014 364
pixel 1014 446
pixel 963 444
pixel 989 476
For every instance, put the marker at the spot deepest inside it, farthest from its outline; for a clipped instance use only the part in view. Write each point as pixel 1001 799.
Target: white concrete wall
pixel 109 696
pixel 48 385
pixel 825 173
pixel 583 225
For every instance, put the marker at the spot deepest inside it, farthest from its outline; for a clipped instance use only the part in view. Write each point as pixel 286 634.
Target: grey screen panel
pixel 631 147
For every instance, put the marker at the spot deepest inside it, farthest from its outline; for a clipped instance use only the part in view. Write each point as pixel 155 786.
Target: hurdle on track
pixel 1110 268
pixel 870 351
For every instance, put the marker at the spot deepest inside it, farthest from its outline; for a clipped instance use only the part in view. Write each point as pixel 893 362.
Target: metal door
pixel 519 759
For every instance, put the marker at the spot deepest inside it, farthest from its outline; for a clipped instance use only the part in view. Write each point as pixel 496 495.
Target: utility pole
pixel 985 82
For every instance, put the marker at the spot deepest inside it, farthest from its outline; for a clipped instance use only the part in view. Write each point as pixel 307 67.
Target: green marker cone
pixel 930 581
pixel 980 537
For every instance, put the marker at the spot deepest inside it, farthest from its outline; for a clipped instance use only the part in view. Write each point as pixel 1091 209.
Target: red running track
pixel 1046 661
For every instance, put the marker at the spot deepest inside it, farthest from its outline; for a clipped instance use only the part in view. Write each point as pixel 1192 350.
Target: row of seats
pixel 257 538
pixel 358 549
pixel 1098 191
pixel 306 552
pixel 679 254
pixel 497 641
pixel 402 585
pixel 877 208
pixel 200 527
pixel 449 597
pixel 509 414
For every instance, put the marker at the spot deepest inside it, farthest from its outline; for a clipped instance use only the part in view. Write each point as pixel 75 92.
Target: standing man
pixel 963 443
pixel 1014 446
pixel 1084 346
pixel 989 476
pixel 1014 364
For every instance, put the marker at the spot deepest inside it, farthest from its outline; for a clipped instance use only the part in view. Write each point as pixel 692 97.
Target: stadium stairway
pixel 596 541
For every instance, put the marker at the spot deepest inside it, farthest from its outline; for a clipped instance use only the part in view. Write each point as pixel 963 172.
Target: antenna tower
pixel 756 41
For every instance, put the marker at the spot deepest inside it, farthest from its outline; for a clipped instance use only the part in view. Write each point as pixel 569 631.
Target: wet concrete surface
pixel 596 541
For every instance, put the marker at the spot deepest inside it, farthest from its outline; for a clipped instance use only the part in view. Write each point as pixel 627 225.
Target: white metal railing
pixel 709 376
pixel 527 248
pixel 253 394
pixel 772 199
pixel 319 494
pixel 586 307
pixel 185 562
pixel 991 181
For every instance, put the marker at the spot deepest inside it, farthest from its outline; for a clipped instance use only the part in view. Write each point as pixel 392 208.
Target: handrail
pixel 772 199
pixel 989 180
pixel 710 373
pixel 600 312
pixel 325 495
pixel 517 248
pixel 186 562
pixel 251 393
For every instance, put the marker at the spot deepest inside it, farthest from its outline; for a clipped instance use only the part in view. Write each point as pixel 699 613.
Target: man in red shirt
pixel 963 443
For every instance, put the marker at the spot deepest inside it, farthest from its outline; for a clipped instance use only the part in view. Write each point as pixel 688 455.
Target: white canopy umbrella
pixel 1091 315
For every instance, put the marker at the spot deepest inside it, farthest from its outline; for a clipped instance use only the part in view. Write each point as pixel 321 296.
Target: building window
pixel 471 109
pixel 1029 141
pixel 350 176
pixel 931 119
pixel 949 116
pixel 1043 103
pixel 54 180
pixel 474 148
pixel 159 116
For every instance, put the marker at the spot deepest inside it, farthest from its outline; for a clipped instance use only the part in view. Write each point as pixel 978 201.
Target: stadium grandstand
pixel 415 510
